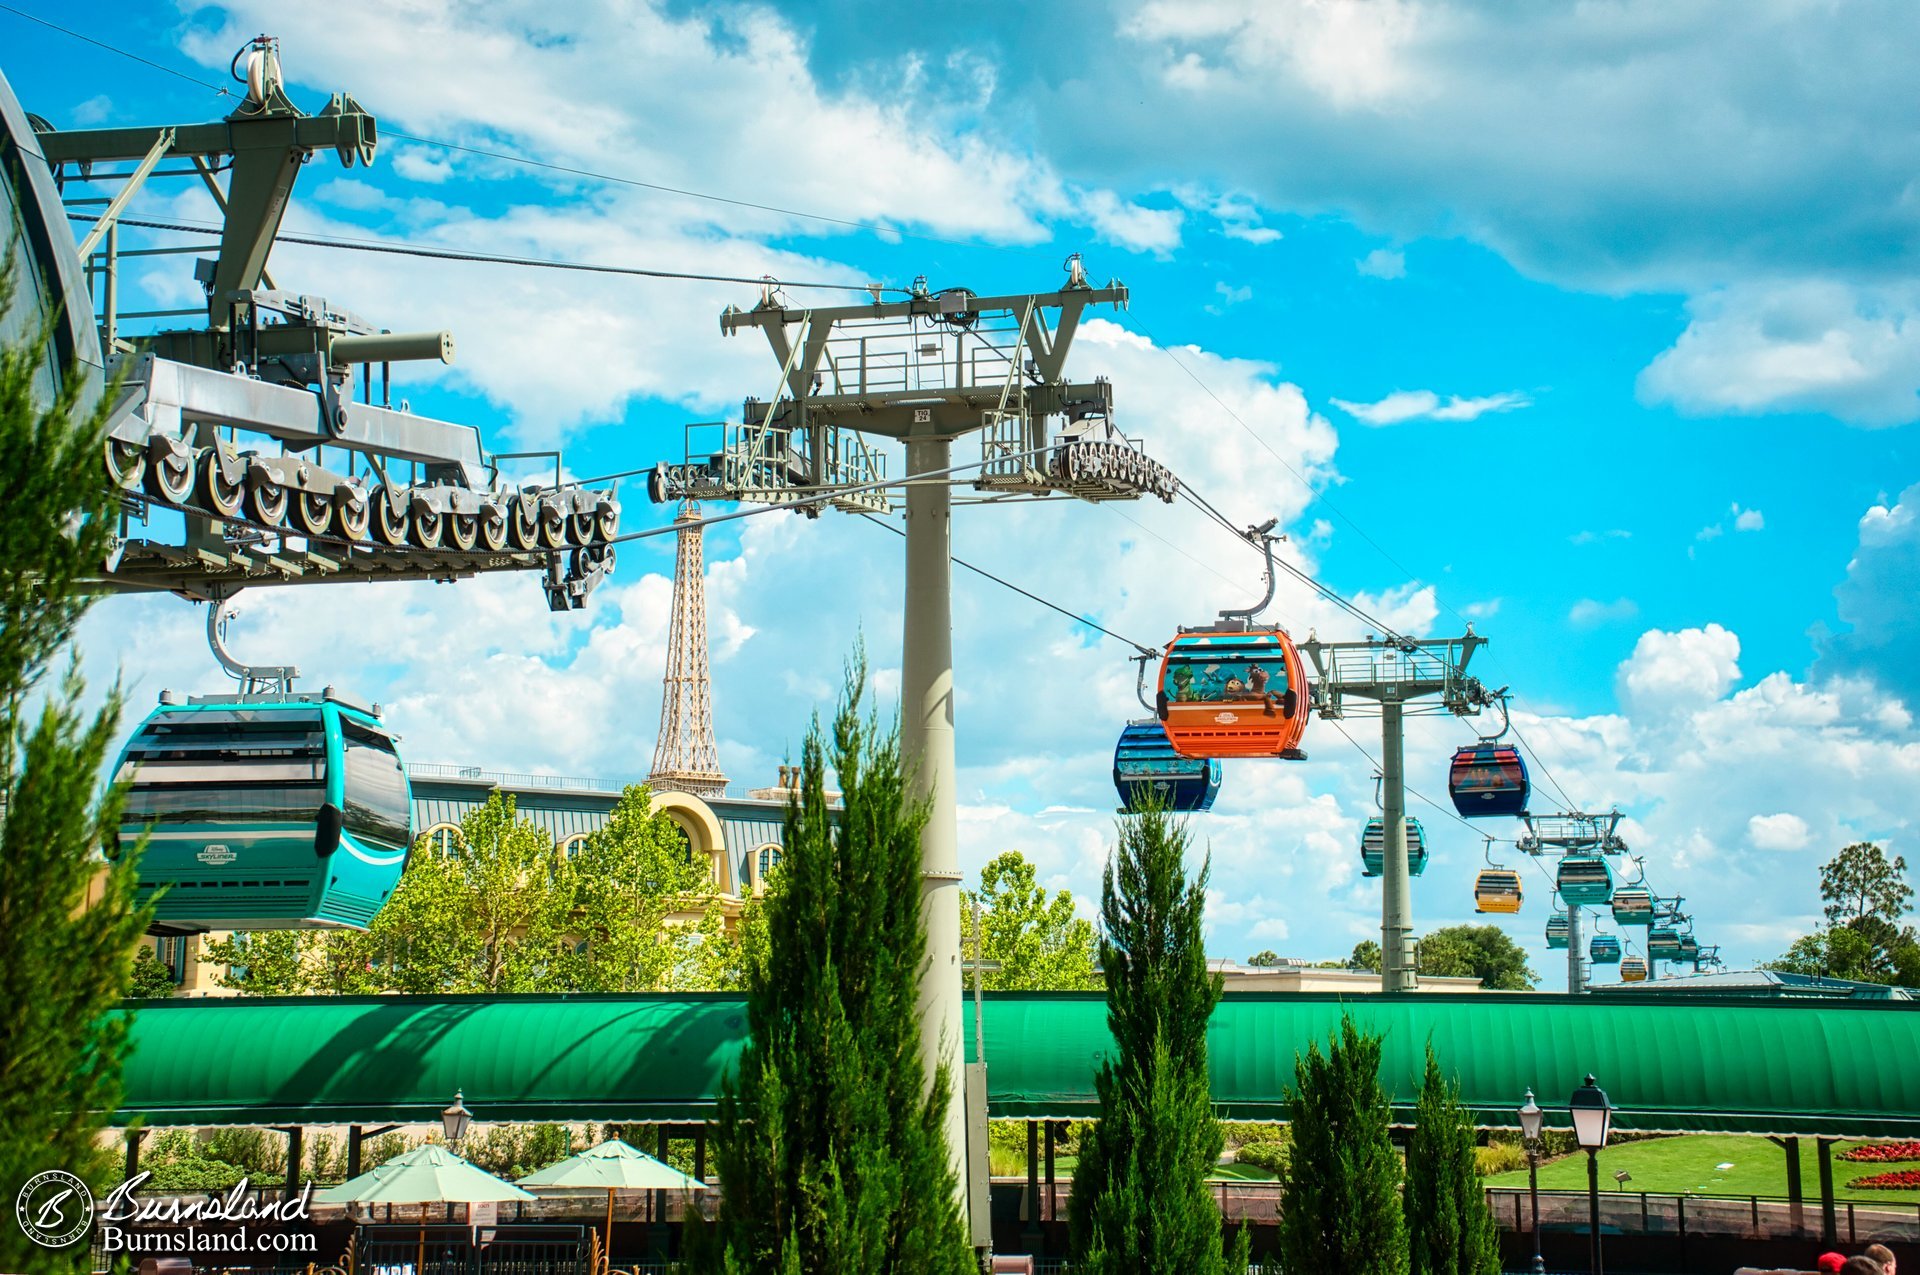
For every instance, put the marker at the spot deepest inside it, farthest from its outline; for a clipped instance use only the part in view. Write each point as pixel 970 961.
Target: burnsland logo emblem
pixel 54 1209
pixel 216 855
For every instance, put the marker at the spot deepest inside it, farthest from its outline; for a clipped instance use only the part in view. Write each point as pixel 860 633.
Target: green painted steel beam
pixel 1686 1065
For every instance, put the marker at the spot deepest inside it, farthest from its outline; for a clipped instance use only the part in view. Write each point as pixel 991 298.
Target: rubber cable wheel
pixel 267 504
pixel 493 527
pixel 352 513
pixel 127 464
pixel 391 526
pixel 553 525
pixel 427 524
pixel 217 492
pixel 463 530
pixel 313 511
pixel 523 522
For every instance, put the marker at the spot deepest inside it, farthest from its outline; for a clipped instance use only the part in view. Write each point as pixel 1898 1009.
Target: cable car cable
pixel 1077 618
pixel 1314 495
pixel 877 228
pixel 404 249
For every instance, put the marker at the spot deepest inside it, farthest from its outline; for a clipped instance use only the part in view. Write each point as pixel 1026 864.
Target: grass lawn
pixel 1240 1173
pixel 1675 1166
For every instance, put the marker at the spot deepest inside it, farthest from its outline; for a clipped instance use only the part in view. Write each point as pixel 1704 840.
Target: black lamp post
pixel 1530 1118
pixel 455 1120
pixel 1592 1121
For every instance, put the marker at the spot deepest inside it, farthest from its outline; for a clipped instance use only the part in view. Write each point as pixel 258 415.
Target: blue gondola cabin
pixel 1147 772
pixel 1488 780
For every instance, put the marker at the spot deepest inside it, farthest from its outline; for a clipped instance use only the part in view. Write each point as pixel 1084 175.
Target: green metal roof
pixel 1758 1067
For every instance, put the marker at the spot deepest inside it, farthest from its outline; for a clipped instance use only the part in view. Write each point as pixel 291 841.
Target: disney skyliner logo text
pixel 55 1209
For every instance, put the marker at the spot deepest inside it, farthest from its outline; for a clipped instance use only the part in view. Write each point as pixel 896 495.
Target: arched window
pixel 571 846
pixel 765 859
pixel 444 839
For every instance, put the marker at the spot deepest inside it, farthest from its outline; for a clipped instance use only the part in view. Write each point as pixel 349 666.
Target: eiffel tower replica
pixel 686 758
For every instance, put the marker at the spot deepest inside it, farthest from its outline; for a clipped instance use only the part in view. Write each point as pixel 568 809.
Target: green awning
pixel 1841 1069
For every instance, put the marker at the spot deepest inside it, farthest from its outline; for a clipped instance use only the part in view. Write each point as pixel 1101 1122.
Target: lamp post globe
pixel 1530 1119
pixel 454 1120
pixel 1592 1122
pixel 1592 1115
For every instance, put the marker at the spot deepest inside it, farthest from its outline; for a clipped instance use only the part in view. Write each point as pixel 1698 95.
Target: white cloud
pixel 1811 346
pixel 1131 226
pixel 1587 612
pixel 418 164
pixel 1383 263
pixel 1677 670
pixel 1778 832
pixel 683 101
pixel 1412 405
pixel 1595 537
pixel 1748 519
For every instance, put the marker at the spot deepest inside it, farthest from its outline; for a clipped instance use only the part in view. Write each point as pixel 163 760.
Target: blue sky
pixel 1596 325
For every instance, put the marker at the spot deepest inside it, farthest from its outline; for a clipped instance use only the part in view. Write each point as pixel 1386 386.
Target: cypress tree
pixel 829 1143
pixel 1449 1227
pixel 1340 1210
pixel 68 926
pixel 1140 1201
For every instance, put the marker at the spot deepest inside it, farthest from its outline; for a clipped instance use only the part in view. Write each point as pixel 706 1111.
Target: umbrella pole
pixel 608 1256
pixel 421 1269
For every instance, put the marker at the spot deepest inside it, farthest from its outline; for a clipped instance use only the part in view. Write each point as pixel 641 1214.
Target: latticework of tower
pixel 686 758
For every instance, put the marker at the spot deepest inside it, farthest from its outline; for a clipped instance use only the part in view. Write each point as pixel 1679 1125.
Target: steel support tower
pixel 1574 832
pixel 686 759
pixel 1392 677
pixel 925 372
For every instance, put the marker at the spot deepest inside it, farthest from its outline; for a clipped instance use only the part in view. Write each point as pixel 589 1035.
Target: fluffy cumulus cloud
pixel 1876 600
pixel 1755 156
pixel 1425 405
pixel 1672 672
pixel 1815 345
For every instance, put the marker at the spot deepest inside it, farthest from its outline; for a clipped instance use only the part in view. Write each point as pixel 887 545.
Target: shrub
pixel 1271 1156
pixel 1499 1157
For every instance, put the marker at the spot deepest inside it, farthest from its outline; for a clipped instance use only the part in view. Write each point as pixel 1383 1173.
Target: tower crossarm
pixel 1398 670
pixel 934 367
pixel 254 439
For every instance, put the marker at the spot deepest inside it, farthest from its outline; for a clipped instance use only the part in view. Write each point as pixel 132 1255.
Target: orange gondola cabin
pixel 1233 692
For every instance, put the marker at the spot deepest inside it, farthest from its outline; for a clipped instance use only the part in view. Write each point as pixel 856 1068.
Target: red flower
pixel 1884 1153
pixel 1897 1180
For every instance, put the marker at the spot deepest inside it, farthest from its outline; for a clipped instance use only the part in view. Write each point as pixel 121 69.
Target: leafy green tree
pixel 1366 956
pixel 627 879
pixel 1140 1199
pixel 1866 895
pixel 1264 960
pixel 1038 940
pixel 1449 1227
pixel 505 913
pixel 1861 881
pixel 151 979
pixel 1484 952
pixel 829 1139
pixel 68 925
pixel 1342 1183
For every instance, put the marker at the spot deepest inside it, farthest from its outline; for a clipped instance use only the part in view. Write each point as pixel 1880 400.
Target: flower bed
pixel 1884 1153
pixel 1897 1180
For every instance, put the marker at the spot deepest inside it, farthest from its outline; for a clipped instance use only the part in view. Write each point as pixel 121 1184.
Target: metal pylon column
pixel 1576 951
pixel 926 739
pixel 1396 897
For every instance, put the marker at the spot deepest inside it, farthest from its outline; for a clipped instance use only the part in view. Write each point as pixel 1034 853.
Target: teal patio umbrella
pixel 612 1166
pixel 425 1175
